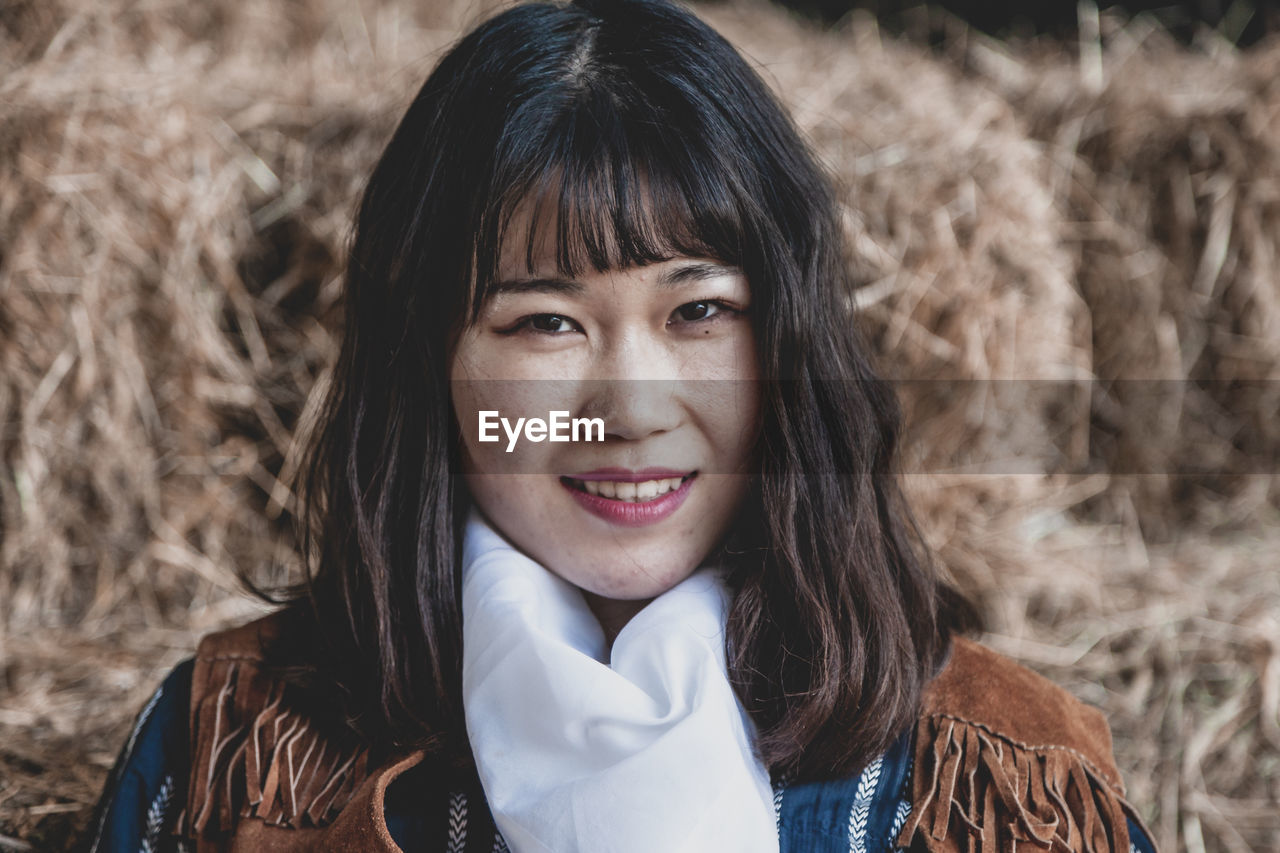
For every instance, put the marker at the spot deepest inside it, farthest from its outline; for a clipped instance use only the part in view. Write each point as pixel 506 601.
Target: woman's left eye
pixel 703 309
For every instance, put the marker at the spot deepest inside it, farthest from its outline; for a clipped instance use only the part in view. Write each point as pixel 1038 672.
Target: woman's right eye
pixel 546 324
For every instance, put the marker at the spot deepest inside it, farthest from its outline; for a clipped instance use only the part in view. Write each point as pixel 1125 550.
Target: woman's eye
pixel 703 309
pixel 549 324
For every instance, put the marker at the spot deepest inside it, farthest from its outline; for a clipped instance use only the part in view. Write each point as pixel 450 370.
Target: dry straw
pixel 176 181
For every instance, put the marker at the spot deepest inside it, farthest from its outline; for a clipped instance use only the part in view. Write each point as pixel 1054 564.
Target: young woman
pixel 605 548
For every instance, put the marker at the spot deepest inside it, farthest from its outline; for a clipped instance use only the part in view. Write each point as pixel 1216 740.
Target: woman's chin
pixel 615 571
pixel 630 589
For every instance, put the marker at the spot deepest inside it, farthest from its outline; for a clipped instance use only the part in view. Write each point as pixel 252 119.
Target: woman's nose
pixel 637 389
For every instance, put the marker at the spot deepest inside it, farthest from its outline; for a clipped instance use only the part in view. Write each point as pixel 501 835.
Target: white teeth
pixel 630 492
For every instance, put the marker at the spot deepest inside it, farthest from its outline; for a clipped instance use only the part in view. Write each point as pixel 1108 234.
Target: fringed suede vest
pixel 1003 758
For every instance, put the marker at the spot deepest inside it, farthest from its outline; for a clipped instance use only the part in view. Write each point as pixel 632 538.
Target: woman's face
pixel 664 355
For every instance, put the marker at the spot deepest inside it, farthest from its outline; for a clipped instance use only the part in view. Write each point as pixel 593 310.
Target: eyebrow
pixel 671 279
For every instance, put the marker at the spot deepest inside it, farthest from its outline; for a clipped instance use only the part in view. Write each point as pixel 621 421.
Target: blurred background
pixel 1078 203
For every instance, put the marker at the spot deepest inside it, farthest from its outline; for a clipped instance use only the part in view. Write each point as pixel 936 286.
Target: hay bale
pixel 1169 170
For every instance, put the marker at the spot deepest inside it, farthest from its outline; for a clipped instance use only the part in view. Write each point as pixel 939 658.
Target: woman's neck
pixel 613 614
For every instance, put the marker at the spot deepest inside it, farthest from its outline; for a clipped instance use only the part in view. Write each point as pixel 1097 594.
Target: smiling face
pixel 665 356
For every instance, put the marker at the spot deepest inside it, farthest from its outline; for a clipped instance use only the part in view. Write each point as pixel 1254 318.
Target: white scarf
pixel 650 751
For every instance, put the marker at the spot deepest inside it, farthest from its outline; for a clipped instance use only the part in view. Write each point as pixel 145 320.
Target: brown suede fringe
pixel 1006 760
pixel 254 756
pixel 974 790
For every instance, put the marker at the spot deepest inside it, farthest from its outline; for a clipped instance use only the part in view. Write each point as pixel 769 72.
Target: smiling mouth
pixel 628 492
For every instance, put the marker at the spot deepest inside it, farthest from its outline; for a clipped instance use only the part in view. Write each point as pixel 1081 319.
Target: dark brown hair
pixel 652 137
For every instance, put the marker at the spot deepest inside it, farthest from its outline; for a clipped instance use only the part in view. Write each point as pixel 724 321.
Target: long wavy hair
pixel 652 137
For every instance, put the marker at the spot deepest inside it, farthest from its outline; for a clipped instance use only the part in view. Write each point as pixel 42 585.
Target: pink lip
pixel 626 475
pixel 626 513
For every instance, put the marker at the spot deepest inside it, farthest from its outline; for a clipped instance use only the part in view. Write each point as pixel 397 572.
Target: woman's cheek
pixel 512 502
pixel 506 423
